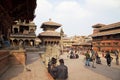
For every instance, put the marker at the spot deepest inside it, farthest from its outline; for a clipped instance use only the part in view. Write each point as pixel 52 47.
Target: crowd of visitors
pixel 92 56
pixel 73 54
pixel 60 72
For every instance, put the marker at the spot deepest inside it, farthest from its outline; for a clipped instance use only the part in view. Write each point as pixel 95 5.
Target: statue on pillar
pixel 61 41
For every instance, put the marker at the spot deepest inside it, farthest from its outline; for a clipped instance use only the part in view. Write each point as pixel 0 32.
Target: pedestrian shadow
pixel 15 70
pixel 12 72
pixel 15 67
pixel 112 73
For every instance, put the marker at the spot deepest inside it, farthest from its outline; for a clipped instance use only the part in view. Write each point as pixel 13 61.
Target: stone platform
pixel 34 70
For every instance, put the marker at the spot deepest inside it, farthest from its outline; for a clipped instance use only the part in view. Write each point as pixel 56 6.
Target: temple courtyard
pixel 36 70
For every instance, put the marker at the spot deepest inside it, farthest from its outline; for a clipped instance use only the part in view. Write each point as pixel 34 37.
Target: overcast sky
pixel 77 16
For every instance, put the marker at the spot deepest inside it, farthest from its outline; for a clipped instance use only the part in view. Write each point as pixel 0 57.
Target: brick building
pixel 106 37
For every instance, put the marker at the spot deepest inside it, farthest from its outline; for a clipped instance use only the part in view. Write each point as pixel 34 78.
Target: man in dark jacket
pixel 52 67
pixel 62 71
pixel 108 58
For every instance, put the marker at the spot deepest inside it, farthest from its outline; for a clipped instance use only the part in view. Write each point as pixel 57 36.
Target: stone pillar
pixel 12 44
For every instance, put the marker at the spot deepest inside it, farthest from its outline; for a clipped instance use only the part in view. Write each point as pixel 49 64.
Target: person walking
pixel 117 57
pixel 92 57
pixel 62 71
pixel 98 60
pixel 103 54
pixel 108 58
pixel 93 60
pixel 87 55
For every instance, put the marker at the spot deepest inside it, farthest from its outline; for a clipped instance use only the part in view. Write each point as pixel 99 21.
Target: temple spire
pixel 61 32
pixel 50 19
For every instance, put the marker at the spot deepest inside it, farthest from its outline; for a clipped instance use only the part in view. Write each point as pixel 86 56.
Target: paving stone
pixel 76 70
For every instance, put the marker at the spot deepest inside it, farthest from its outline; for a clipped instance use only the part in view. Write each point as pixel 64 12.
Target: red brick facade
pixel 107 37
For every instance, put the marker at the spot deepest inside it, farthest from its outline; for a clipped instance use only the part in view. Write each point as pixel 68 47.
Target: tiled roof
pixel 98 25
pixel 50 23
pixel 37 40
pixel 31 24
pixel 106 33
pixel 110 26
pixel 50 33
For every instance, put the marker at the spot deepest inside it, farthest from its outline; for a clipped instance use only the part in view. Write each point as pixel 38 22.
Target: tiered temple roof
pixel 108 30
pixel 50 33
pixel 50 23
pixel 49 29
pixel 110 26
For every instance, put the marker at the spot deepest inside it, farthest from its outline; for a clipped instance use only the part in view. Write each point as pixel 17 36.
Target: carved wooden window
pixel 15 30
pixel 108 43
pixel 116 43
pixel 103 44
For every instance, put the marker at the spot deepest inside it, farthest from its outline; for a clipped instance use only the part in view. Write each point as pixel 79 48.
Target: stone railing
pixel 22 35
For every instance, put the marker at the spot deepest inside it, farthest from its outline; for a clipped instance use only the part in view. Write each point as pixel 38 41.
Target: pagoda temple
pixel 51 39
pixel 49 36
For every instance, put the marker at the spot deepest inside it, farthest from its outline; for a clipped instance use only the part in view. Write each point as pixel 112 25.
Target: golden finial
pixel 50 19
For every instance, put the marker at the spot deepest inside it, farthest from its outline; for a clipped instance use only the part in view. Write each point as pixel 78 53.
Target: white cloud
pixel 70 9
pixel 76 17
pixel 43 6
pixel 43 11
pixel 102 5
pixel 68 13
pixel 106 11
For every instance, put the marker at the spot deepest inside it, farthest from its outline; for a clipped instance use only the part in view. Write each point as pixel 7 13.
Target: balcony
pixel 23 35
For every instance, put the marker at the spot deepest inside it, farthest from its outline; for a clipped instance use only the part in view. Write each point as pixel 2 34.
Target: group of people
pixel 73 54
pixel 90 55
pixel 109 58
pixel 93 56
pixel 58 72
